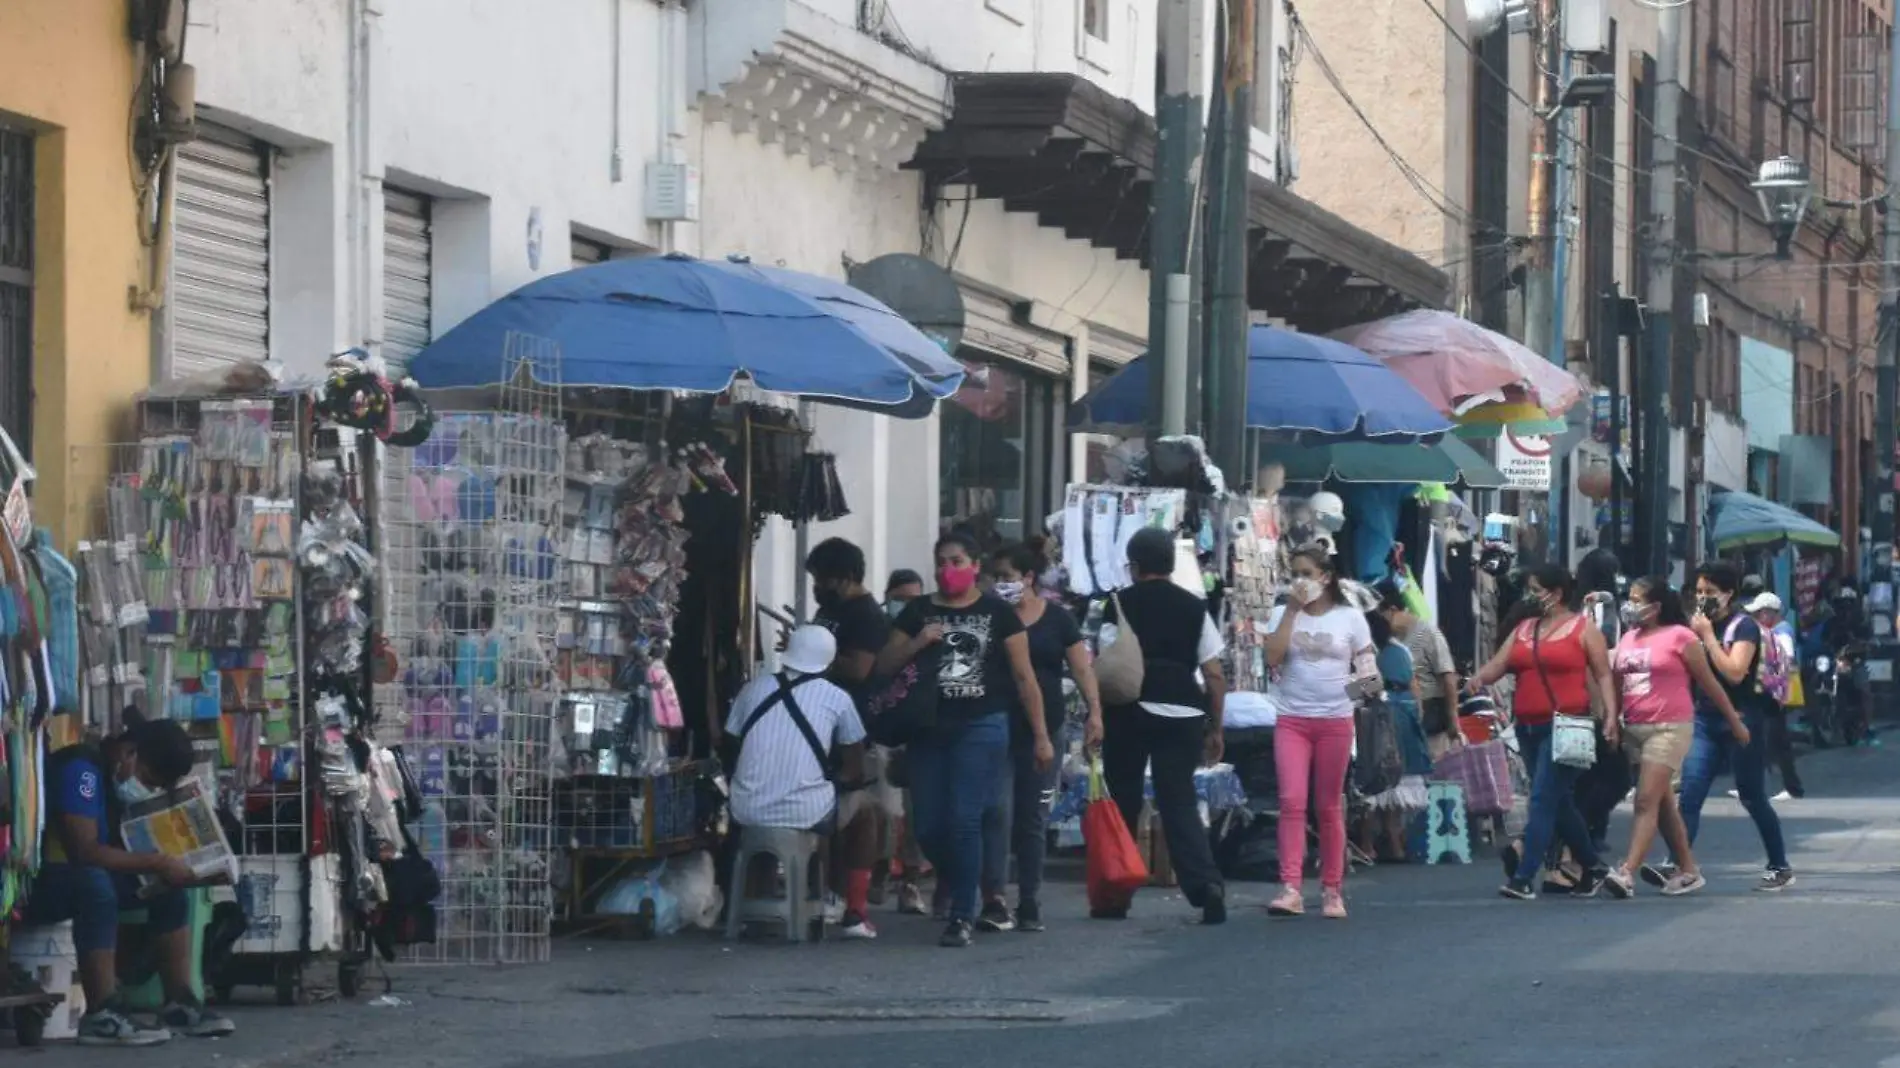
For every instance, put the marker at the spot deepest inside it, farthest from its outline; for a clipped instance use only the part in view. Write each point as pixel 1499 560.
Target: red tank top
pixel 1565 667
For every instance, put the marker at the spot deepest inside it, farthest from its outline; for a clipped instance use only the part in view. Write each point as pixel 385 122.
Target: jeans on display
pixel 1018 823
pixel 1553 812
pixel 1136 742
pixel 92 899
pixel 953 779
pixel 1715 751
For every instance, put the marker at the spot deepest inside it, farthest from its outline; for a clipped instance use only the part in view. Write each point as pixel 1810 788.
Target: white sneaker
pixel 1735 793
pixel 1782 796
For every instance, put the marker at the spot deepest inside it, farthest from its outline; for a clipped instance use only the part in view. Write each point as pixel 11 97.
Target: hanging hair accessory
pixel 357 395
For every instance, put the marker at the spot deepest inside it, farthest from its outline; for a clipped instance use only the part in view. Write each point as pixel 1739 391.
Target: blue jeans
pixel 953 778
pixel 1553 805
pixel 1715 751
pixel 92 899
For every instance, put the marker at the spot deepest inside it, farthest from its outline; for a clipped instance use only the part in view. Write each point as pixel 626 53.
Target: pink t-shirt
pixel 1654 678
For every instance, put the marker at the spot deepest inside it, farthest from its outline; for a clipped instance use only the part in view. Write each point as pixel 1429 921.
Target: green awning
pixel 1450 460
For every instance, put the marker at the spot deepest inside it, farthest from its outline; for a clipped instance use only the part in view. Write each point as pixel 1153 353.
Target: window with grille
pixel 16 288
pixel 1858 107
pixel 1797 54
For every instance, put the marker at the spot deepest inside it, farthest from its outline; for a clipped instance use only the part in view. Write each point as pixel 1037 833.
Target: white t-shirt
pixel 1211 647
pixel 1312 679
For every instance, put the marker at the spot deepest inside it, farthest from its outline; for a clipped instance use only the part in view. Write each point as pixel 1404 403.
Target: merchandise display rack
pixel 471 580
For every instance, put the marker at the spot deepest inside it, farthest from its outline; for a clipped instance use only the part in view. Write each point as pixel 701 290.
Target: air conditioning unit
pixel 672 192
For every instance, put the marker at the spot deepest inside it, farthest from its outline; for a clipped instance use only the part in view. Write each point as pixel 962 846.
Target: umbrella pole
pixel 748 627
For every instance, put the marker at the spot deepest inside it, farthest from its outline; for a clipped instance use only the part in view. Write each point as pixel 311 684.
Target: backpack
pixel 1772 668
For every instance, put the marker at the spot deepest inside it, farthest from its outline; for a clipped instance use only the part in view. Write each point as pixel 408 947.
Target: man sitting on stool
pixel 787 730
pixel 88 878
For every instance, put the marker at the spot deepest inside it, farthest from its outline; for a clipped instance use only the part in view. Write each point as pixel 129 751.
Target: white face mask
pixel 1009 592
pixel 1305 590
pixel 131 791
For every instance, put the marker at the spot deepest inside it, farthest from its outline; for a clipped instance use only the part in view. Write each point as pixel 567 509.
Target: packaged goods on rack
pixel 473 570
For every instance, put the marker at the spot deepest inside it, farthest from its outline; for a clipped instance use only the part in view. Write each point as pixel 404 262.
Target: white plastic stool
pixel 801 915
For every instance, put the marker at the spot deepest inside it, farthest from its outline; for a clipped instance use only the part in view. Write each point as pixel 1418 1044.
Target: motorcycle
pixel 1836 700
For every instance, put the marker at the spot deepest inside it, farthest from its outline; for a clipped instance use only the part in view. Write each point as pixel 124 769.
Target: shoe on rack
pixel 1619 883
pixel 110 1027
pixel 910 900
pixel 1518 890
pixel 1775 880
pixel 995 917
pixel 856 927
pixel 1683 883
pixel 1332 905
pixel 1029 916
pixel 1289 903
pixel 957 935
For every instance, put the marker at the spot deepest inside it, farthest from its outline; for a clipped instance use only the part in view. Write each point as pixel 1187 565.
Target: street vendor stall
pixel 667 458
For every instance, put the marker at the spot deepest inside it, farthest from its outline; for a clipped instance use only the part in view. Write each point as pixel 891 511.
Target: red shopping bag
pixel 1115 869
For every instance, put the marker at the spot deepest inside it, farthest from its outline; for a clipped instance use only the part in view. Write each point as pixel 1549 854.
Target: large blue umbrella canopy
pixel 1314 388
pixel 1743 520
pixel 678 323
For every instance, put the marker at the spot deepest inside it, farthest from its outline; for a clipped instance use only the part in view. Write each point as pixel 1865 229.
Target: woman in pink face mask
pixel 980 656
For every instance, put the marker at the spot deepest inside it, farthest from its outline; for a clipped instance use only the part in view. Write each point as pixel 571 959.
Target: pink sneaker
pixel 1332 905
pixel 1289 903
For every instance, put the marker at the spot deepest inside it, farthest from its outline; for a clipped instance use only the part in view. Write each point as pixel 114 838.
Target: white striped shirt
pixel 778 781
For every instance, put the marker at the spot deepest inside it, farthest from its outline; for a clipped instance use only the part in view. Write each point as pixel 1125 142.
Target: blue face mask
pixel 131 791
pixel 894 609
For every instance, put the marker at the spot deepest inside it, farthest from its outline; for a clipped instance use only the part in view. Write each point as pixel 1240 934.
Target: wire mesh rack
pixel 469 523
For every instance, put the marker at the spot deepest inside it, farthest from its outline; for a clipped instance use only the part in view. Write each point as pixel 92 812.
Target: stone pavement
pixel 1433 969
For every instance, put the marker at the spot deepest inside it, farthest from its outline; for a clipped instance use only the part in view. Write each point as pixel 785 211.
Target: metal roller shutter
pixel 407 293
pixel 221 264
pixel 989 323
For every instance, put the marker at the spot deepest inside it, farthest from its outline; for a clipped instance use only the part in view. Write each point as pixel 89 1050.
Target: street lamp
pixel 1783 188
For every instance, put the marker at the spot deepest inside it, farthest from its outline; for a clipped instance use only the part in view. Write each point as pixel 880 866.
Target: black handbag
pixel 906 708
pixel 1379 766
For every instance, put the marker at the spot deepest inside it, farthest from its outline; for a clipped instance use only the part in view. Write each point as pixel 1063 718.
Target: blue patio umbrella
pixel 678 323
pixel 1743 520
pixel 1313 388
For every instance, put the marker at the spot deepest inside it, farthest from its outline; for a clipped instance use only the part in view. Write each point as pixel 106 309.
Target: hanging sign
pixel 1524 460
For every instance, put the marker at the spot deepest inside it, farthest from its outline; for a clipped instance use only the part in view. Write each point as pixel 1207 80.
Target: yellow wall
pixel 66 74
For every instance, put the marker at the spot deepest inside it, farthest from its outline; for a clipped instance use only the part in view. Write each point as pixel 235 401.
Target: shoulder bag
pixel 826 759
pixel 1121 668
pixel 906 708
pixel 1573 739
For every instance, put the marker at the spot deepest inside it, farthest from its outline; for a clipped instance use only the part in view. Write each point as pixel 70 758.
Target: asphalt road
pixel 1432 969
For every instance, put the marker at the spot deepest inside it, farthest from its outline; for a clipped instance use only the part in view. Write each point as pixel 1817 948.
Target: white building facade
pixel 374 172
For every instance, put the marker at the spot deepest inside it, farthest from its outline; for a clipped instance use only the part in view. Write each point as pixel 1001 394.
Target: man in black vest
pixel 1176 726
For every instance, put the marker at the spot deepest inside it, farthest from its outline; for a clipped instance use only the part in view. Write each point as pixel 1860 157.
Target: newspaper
pixel 182 822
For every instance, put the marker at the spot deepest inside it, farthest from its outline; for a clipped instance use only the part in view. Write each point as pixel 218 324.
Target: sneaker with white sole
pixel 1782 796
pixel 1658 875
pixel 1618 883
pixel 856 928
pixel 1683 883
pixel 1775 880
pixel 196 1021
pixel 109 1027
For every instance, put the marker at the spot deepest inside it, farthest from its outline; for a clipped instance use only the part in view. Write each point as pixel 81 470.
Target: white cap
pixel 810 651
pixel 1763 602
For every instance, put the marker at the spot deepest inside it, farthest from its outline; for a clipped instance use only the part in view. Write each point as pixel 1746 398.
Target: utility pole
pixel 1887 365
pixel 1224 376
pixel 1179 119
pixel 1557 349
pixel 1653 374
pixel 1540 296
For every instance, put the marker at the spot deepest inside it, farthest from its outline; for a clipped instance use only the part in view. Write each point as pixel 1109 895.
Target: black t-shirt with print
pixel 1747 695
pixel 860 626
pixel 973 676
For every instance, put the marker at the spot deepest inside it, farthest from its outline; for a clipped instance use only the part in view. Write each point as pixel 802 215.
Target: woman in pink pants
pixel 1313 642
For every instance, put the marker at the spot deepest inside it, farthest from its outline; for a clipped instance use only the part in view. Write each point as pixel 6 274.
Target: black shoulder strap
pixel 784 693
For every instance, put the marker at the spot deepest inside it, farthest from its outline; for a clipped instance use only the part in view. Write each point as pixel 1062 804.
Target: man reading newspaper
pixel 88 877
